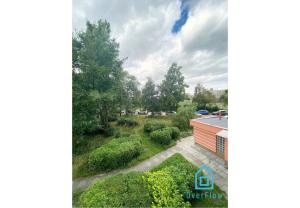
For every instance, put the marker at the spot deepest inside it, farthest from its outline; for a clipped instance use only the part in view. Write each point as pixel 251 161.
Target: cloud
pixel 144 30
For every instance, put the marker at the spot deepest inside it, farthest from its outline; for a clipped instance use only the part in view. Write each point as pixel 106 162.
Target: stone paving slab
pixel 187 147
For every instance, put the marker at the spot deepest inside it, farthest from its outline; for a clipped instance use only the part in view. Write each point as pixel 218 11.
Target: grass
pixel 150 148
pixel 177 160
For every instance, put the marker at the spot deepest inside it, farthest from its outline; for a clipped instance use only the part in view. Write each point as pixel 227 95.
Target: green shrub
pixel 163 190
pixel 114 154
pixel 121 134
pixel 181 170
pixel 184 134
pixel 153 125
pixel 112 117
pixel 175 132
pixel 162 136
pixel 122 190
pixel 127 122
pixel 109 132
pixel 185 112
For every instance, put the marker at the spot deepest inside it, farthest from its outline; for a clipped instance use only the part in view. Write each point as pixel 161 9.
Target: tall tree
pixel 172 89
pixel 97 71
pixel 150 96
pixel 132 94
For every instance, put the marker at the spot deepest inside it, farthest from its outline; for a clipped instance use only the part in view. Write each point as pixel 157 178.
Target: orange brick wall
pixel 205 135
pixel 226 150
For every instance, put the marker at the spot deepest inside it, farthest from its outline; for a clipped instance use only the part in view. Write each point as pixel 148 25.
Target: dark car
pixel 202 112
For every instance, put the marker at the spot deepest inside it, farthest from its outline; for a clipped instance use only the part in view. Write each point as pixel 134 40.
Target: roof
pixel 214 121
pixel 223 133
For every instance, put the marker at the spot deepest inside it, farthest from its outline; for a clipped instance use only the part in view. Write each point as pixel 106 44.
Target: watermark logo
pixel 204 182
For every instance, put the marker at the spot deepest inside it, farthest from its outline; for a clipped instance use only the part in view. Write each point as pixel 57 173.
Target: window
pixel 220 144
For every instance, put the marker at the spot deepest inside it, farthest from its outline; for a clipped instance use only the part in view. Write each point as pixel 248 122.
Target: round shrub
pixel 122 190
pixel 153 125
pixel 162 136
pixel 127 122
pixel 116 153
pixel 175 132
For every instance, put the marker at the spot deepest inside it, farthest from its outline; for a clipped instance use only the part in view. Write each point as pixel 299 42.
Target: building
pixel 212 134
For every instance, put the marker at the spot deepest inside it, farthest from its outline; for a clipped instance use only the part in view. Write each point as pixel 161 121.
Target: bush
pixel 112 117
pixel 175 132
pixel 115 154
pixel 162 136
pixel 109 132
pixel 120 134
pixel 181 170
pixel 153 125
pixel 184 134
pixel 127 122
pixel 122 190
pixel 163 190
pixel 185 112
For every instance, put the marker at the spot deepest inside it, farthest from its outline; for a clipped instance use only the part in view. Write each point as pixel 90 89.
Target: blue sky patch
pixel 184 15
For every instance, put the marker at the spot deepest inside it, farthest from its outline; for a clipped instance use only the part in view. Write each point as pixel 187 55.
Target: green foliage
pixel 211 107
pixel 150 99
pixel 162 136
pixel 115 154
pixel 181 170
pixel 96 72
pixel 83 111
pixel 185 112
pixel 175 132
pixel 163 190
pixel 122 190
pixel 127 122
pixel 172 89
pixel 202 97
pixel 150 126
pixel 184 134
pixel 224 98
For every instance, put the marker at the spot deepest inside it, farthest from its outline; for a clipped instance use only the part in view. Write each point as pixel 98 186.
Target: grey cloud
pixel 143 29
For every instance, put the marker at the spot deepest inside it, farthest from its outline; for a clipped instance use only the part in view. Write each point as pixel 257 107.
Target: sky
pixel 155 33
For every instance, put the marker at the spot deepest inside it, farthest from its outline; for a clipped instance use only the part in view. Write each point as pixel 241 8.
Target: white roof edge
pixel 223 133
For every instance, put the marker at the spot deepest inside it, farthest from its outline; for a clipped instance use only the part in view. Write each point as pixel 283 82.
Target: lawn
pixel 150 148
pixel 130 190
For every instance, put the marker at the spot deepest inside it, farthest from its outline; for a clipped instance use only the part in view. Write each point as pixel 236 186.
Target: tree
pixel 203 97
pixel 132 94
pixel 172 89
pixel 224 98
pixel 97 71
pixel 185 112
pixel 150 96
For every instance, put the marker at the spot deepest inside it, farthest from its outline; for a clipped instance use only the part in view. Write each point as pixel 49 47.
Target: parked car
pixel 202 112
pixel 222 112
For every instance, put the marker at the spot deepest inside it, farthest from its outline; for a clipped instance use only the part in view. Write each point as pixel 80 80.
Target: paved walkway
pixel 191 151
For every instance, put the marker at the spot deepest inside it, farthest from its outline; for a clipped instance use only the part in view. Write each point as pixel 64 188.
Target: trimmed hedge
pixel 163 190
pixel 181 170
pixel 165 135
pixel 122 190
pixel 114 154
pixel 127 122
pixel 153 125
pixel 162 136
